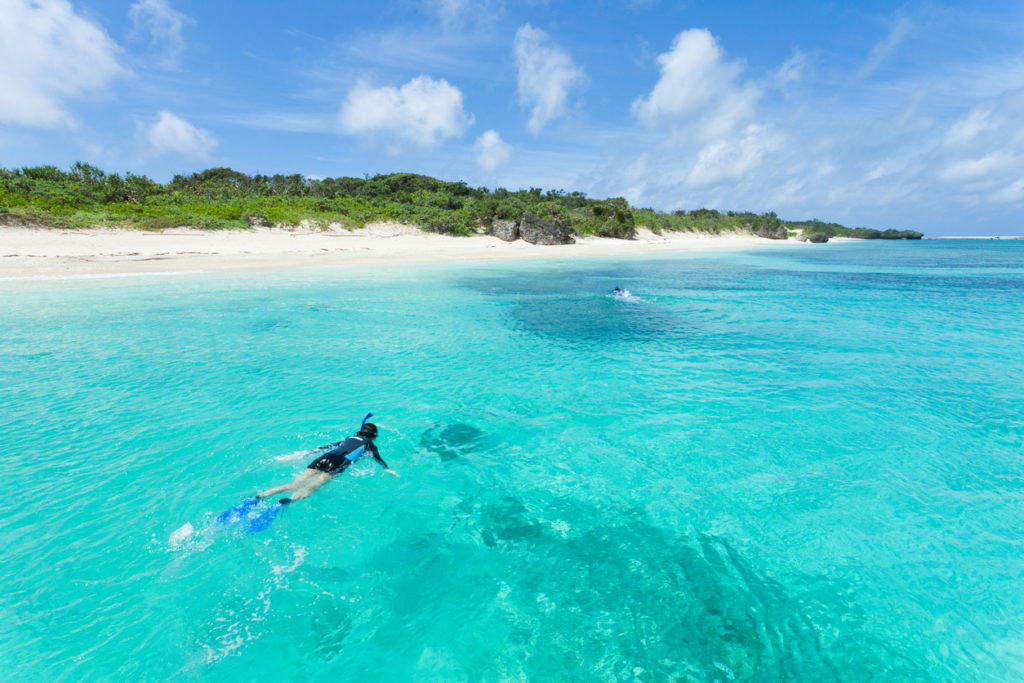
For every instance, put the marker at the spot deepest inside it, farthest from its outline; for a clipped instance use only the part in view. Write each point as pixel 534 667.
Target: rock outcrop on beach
pixel 538 231
pixel 772 229
pixel 815 238
pixel 777 233
pixel 504 230
pixel 533 230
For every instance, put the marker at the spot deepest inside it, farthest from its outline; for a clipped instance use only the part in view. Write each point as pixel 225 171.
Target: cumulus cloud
pixel 170 133
pixel 546 74
pixel 50 55
pixel 840 145
pixel 491 150
pixel 698 89
pixel 164 25
pixel 422 111
pixel 702 115
pixel 730 159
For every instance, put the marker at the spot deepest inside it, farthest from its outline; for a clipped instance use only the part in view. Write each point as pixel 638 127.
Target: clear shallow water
pixel 790 464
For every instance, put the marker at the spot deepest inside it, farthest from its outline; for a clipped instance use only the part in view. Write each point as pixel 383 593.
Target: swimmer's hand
pixel 392 473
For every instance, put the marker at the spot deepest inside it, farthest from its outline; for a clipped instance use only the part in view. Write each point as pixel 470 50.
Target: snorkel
pixel 367 433
pixel 367 430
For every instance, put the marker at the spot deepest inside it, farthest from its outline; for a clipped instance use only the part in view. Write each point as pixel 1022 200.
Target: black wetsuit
pixel 343 453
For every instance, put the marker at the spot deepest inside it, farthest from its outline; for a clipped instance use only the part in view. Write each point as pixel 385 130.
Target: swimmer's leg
pixel 317 483
pixel 291 486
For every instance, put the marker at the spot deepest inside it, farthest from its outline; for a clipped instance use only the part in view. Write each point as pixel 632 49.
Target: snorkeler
pixel 620 292
pixel 334 461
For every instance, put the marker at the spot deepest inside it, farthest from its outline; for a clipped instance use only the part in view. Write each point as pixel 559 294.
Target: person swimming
pixel 335 460
pixel 618 291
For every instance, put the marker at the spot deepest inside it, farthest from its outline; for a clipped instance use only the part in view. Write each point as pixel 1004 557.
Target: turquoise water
pixel 802 463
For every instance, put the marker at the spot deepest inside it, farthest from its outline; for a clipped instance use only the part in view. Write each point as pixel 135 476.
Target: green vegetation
pixel 712 221
pixel 221 198
pixel 816 227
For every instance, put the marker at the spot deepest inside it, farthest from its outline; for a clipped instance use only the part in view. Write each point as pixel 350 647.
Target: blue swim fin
pixel 236 513
pixel 263 520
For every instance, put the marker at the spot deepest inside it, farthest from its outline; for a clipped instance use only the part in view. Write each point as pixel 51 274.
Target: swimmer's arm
pixel 376 456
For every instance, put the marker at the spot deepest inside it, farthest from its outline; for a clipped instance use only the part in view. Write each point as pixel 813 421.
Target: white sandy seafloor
pixel 47 252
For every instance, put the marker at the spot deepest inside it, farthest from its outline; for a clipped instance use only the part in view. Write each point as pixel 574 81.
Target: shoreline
pixel 52 252
pixel 976 237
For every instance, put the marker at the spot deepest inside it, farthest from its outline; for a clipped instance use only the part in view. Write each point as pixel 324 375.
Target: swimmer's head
pixel 368 430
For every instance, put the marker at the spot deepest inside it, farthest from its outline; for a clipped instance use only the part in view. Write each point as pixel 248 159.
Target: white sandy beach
pixel 43 252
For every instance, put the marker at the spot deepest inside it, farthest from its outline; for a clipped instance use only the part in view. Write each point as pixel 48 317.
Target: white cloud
pixel 911 150
pixel 701 143
pixel 730 159
pixel 546 75
pixel 982 153
pixel 1011 193
pixel 974 80
pixel 880 171
pixel 173 134
pixel 698 89
pixel 460 15
pixel 491 150
pixel 886 48
pixel 450 11
pixel 970 126
pixel 634 176
pixel 792 70
pixel 50 55
pixel 466 51
pixel 978 169
pixel 423 111
pixel 692 74
pixel 292 122
pixel 164 25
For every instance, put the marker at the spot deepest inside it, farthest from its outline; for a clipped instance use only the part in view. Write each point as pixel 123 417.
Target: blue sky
pixel 871 114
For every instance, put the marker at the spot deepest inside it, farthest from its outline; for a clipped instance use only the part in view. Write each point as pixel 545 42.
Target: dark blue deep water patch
pixel 577 308
pixel 452 441
pixel 670 302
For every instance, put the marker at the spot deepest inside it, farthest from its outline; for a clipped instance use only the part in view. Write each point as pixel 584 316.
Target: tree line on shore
pixel 222 198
